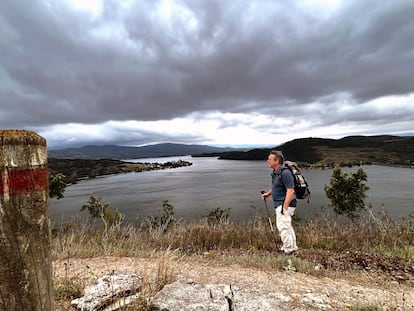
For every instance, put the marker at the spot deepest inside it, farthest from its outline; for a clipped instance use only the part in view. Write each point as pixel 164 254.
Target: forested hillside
pixel 352 150
pixel 384 150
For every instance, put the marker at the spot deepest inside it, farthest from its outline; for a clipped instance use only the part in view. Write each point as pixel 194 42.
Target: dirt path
pixel 341 293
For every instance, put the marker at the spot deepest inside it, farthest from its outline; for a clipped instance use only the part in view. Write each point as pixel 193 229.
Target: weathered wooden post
pixel 25 259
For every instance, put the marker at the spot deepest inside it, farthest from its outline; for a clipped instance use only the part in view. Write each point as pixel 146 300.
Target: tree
pixel 163 222
pixel 95 206
pixel 99 209
pixel 57 185
pixel 347 192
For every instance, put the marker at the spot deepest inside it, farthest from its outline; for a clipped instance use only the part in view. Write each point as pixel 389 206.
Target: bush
pixel 347 192
pixel 217 216
pixel 57 185
pixel 162 222
pixel 99 209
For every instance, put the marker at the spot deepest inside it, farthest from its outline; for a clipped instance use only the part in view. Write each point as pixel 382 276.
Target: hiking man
pixel 284 199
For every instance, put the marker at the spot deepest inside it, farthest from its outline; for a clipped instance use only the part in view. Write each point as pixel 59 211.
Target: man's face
pixel 271 160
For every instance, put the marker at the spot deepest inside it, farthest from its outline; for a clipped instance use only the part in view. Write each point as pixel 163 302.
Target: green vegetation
pixel 375 235
pixel 329 246
pixel 57 185
pixel 99 209
pixel 348 151
pixel 347 192
pixel 73 170
pixel 217 216
pixel 374 246
pixel 164 221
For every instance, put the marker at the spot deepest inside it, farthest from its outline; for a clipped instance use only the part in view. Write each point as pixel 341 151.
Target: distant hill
pixel 122 152
pixel 384 150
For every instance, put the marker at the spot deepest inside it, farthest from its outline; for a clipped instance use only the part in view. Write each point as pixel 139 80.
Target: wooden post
pixel 25 259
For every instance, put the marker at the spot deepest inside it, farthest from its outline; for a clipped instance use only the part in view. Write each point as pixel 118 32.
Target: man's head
pixel 275 159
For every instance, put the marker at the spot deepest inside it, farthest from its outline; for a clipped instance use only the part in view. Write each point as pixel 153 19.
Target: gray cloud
pixel 61 66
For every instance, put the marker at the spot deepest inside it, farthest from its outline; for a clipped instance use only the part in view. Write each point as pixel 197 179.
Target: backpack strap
pixel 281 180
pixel 281 172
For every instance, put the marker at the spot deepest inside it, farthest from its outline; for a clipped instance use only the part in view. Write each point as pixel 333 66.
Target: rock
pixel 217 297
pixel 319 301
pixel 111 292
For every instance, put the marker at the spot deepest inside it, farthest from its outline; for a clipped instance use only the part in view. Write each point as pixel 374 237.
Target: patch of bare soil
pixel 383 267
pixel 341 280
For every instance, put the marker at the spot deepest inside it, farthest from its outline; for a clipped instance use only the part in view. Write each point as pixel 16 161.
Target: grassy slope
pixel 384 150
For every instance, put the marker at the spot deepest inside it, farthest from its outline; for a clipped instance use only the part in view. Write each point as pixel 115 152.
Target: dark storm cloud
pixel 62 66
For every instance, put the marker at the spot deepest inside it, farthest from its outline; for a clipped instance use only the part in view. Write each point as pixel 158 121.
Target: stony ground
pixel 353 279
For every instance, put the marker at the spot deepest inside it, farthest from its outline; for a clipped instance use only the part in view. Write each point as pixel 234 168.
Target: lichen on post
pixel 25 259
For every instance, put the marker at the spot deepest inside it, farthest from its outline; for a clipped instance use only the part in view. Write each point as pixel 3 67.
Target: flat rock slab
pixel 218 297
pixel 109 293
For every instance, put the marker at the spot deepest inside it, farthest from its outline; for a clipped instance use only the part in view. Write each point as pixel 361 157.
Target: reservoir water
pixel 210 183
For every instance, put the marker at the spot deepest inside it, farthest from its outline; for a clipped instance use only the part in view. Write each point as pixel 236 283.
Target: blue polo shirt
pixel 282 179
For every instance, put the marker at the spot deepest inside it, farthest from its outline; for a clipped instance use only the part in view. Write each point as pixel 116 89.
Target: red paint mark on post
pixel 24 181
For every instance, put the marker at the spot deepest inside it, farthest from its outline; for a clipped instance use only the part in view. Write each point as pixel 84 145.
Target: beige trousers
pixel 286 231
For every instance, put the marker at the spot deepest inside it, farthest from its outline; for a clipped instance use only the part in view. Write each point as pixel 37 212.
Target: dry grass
pixel 75 278
pixel 81 238
pixel 247 244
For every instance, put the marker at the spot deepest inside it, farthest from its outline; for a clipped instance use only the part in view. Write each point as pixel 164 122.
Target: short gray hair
pixel 278 155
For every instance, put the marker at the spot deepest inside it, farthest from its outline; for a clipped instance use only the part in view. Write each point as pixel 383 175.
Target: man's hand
pixel 265 194
pixel 290 195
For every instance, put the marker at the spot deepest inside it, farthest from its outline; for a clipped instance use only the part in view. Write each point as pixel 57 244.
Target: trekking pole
pixel 270 219
pixel 268 214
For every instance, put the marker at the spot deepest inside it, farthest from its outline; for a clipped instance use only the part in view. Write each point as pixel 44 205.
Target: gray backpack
pixel 301 185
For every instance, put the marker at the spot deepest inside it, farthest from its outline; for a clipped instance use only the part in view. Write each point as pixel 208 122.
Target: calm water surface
pixel 211 183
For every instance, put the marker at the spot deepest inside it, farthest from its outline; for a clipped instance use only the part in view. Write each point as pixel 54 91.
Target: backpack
pixel 301 185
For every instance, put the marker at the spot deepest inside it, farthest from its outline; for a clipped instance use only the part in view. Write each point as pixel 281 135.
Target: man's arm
pixel 290 195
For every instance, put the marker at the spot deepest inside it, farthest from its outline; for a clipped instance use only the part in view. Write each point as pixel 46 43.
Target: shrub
pixel 99 209
pixel 347 192
pixel 162 222
pixel 217 216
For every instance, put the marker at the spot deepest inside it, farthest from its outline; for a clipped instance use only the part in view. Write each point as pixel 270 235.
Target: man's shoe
pixel 290 252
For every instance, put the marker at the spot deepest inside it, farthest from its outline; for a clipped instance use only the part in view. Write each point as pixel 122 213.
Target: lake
pixel 210 183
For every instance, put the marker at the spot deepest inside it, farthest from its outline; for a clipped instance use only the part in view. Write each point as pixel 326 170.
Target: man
pixel 284 199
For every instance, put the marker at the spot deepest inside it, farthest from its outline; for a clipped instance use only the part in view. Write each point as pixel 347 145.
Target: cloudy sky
pixel 223 73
